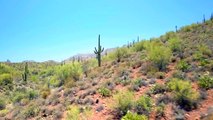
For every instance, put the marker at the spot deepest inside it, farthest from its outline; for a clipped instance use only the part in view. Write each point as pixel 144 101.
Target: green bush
pixel 159 88
pixel 160 110
pixel 205 81
pixel 5 69
pixel 32 94
pixel 45 92
pixel 118 54
pixel 139 46
pixel 175 44
pixel 123 102
pixel 134 116
pixel 184 95
pixel 4 112
pixel 2 104
pixel 68 72
pixel 73 113
pixel 204 49
pixel 54 81
pixel 160 75
pixel 183 66
pixel 143 105
pixel 18 96
pixel 5 79
pixel 159 55
pixel 104 92
pixel 31 111
pixel 169 35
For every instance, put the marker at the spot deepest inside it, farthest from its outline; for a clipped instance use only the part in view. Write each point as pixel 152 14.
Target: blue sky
pixel 43 30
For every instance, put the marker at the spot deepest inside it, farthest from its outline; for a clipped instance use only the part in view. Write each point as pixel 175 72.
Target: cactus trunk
pixel 98 51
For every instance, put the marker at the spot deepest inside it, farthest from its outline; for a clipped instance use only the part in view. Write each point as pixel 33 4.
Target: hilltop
pixel 170 77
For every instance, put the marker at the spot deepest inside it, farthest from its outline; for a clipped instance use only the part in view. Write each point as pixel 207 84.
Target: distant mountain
pixel 86 56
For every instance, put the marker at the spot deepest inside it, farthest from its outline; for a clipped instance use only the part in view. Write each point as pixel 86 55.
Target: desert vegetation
pixel 169 77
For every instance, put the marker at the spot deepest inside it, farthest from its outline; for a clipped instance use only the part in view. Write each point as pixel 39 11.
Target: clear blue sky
pixel 57 29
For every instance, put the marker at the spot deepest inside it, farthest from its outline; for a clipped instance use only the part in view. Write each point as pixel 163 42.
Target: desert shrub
pixel 104 92
pixel 5 68
pixel 45 92
pixel 160 110
pixel 205 82
pixel 118 54
pixel 2 104
pixel 202 54
pixel 69 72
pixel 189 28
pixel 179 74
pixel 160 56
pixel 159 88
pixel 163 99
pixel 137 84
pixel 88 65
pixel 204 62
pixel 160 75
pixel 168 35
pixel 73 113
pixel 183 65
pixel 54 81
pixel 143 105
pixel 5 80
pixel 123 102
pixel 139 46
pixel 175 44
pixel 76 113
pixel 18 96
pixel 184 95
pixel 204 49
pixel 134 116
pixel 31 111
pixel 32 94
pixel 4 112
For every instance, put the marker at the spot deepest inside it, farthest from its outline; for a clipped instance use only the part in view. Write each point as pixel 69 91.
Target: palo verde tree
pixel 98 52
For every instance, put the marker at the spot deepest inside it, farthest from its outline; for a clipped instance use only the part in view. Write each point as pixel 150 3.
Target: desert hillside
pixel 165 78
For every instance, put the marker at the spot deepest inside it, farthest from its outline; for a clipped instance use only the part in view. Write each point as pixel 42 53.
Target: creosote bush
pixel 175 44
pixel 134 116
pixel 6 81
pixel 143 105
pixel 2 104
pixel 69 73
pixel 139 46
pixel 159 55
pixel 205 82
pixel 184 95
pixel 118 54
pixel 183 65
pixel 104 92
pixel 123 102
pixel 31 111
pixel 74 112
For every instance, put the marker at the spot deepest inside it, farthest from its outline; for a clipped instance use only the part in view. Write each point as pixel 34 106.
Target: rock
pixel 97 101
pixel 100 108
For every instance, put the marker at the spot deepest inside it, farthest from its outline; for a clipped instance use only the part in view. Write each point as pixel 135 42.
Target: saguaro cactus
pixel 26 72
pixel 98 51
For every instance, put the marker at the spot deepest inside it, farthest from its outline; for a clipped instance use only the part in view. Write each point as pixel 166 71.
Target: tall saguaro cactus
pixel 26 72
pixel 98 51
